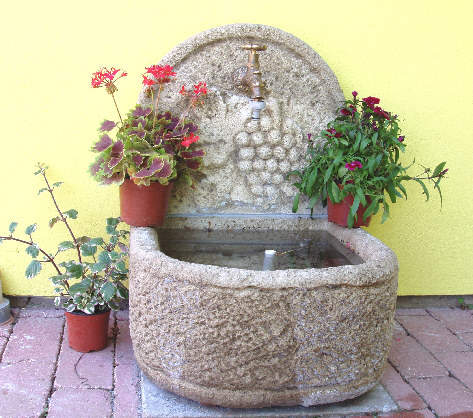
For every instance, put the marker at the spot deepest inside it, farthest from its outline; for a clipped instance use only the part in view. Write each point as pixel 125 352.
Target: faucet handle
pixel 254 47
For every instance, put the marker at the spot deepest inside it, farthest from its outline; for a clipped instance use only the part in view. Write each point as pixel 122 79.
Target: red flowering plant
pixel 149 145
pixel 358 154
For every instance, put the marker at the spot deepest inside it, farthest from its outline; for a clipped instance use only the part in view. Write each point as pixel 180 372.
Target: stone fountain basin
pixel 245 338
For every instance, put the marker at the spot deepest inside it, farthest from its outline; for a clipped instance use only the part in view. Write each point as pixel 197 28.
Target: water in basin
pixel 245 249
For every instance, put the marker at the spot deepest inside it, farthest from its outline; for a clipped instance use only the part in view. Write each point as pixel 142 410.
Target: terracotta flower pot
pixel 144 205
pixel 87 332
pixel 338 212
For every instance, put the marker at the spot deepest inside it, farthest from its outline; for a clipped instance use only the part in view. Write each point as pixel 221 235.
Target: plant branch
pixel 63 218
pixel 49 258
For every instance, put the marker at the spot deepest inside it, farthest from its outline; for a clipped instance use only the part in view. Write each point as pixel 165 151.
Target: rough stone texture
pixel 244 338
pixel 246 162
pixel 162 403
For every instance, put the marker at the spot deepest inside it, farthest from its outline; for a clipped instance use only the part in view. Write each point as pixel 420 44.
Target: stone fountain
pixel 243 337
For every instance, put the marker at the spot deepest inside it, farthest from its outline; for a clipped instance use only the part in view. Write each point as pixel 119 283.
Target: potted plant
pixel 355 163
pixel 150 149
pixel 87 286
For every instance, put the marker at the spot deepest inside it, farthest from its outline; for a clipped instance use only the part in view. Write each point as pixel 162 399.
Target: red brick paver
pixel 432 334
pixel 460 364
pixel 34 338
pixel 424 413
pixel 402 393
pixel 413 360
pixel 24 388
pixel 445 395
pixel 90 403
pixel 85 370
pixel 456 320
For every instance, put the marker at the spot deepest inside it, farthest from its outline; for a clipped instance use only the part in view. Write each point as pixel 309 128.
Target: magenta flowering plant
pixel 148 144
pixel 359 154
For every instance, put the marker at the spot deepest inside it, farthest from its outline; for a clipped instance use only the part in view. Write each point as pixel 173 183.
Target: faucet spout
pixel 250 80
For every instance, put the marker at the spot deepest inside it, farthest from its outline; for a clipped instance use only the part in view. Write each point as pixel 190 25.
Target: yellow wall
pixel 417 56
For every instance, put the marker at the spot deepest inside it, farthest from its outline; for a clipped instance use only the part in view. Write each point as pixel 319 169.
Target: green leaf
pixel 96 241
pixel 65 245
pixel 390 190
pixel 122 291
pixel 108 291
pixel 402 189
pixel 53 221
pixel 113 221
pixel 295 204
pixel 356 204
pixel 98 267
pixel 88 250
pixel 57 184
pixel 364 142
pixel 75 270
pixel 104 257
pixel 385 212
pixel 33 269
pixel 374 138
pixel 111 230
pixel 44 189
pixel 30 229
pixel 439 169
pixel 12 227
pixel 32 250
pixel 78 288
pixel 71 213
pixel 426 192
pixel 328 173
pixel 312 202
pixel 357 142
pixel 372 208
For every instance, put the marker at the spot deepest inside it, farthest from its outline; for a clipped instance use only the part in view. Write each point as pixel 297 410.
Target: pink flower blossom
pixel 189 140
pixel 354 164
pixel 371 101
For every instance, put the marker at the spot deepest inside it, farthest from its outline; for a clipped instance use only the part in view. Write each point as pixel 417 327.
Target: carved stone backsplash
pixel 247 162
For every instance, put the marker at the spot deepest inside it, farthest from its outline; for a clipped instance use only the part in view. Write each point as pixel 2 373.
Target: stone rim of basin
pixel 376 255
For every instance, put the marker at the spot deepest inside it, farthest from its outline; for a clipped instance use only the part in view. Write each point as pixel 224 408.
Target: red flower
pixel 189 140
pixel 183 90
pixel 333 133
pixel 200 89
pixel 354 164
pixel 162 73
pixel 371 101
pixel 348 112
pixel 106 77
pixel 401 138
pixel 381 112
pixel 147 81
pixel 354 93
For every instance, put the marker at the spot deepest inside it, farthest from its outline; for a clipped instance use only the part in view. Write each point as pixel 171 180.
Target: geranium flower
pixel 162 73
pixel 189 140
pixel 106 77
pixel 354 164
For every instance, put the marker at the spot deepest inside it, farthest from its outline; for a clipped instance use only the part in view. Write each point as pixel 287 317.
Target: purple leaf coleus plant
pixel 148 145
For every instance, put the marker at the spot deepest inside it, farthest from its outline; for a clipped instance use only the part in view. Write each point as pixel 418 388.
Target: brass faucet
pixel 250 81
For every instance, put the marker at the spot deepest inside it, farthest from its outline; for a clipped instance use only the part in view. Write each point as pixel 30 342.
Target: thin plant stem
pixel 156 107
pixel 119 115
pixel 63 218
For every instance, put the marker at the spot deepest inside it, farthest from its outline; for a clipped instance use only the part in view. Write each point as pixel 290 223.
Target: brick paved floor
pixel 429 373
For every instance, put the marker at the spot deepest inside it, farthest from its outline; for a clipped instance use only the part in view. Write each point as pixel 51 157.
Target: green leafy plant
pixel 92 280
pixel 359 154
pixel 149 145
pixel 464 305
